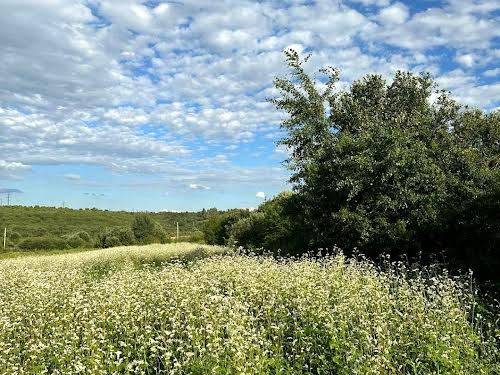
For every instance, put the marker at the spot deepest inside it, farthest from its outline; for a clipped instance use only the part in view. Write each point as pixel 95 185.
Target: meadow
pixel 191 309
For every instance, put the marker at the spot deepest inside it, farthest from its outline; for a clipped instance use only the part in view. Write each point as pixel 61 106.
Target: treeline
pixel 31 228
pixel 394 167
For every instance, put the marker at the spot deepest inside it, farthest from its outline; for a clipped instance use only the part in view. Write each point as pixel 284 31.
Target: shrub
pixel 84 236
pixel 107 239
pixel 196 236
pixel 125 236
pixel 43 243
pixel 78 239
pixel 250 232
pixel 74 241
pixel 146 230
pixel 13 236
pixel 142 226
pixel 216 229
pixel 276 226
pixel 115 237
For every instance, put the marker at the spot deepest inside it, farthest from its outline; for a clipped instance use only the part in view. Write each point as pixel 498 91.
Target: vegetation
pixel 156 309
pixel 275 226
pixel 216 230
pixel 397 168
pixel 383 169
pixel 30 228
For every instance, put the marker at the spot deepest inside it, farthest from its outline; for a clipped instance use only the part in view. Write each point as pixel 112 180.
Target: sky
pixel 162 105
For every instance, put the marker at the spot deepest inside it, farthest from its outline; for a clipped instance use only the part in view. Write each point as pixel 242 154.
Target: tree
pixel 146 230
pixel 275 226
pixel 384 166
pixel 216 230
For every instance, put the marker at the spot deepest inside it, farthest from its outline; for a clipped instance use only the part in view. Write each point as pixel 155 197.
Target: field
pixel 186 309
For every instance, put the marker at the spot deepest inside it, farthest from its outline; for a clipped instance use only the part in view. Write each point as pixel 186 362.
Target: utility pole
pixel 8 199
pixel 177 231
pixel 4 237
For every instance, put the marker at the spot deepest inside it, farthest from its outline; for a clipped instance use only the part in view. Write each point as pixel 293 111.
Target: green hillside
pixel 29 222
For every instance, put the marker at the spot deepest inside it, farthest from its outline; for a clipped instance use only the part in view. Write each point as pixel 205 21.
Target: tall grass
pixel 182 309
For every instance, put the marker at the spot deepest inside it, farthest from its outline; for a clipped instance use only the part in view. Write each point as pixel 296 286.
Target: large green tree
pixel 386 166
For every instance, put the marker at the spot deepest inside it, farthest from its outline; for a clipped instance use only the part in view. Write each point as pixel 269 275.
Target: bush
pixel 13 236
pixel 250 232
pixel 107 239
pixel 115 237
pixel 78 239
pixel 196 236
pixel 43 243
pixel 74 241
pixel 125 236
pixel 147 231
pixel 216 229
pixel 276 226
pixel 84 236
pixel 143 230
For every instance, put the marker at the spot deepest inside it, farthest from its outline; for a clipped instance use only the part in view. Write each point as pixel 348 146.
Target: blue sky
pixel 161 105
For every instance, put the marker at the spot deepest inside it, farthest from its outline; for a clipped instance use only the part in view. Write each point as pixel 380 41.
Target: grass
pixel 186 309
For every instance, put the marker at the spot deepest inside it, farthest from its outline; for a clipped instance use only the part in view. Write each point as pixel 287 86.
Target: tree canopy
pixel 388 166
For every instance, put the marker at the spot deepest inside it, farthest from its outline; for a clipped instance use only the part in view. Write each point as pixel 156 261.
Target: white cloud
pixel 447 26
pixel 127 116
pixel 198 187
pixel 492 72
pixel 13 166
pixel 72 176
pixel 261 195
pixel 380 3
pixel 36 139
pixel 397 13
pixel 11 170
pixel 468 60
pixel 467 89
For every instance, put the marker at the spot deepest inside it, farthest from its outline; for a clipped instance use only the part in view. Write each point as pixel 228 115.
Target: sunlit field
pixel 186 309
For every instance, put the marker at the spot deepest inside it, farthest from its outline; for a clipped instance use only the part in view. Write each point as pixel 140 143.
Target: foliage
pixel 142 310
pixel 196 236
pixel 43 243
pixel 388 167
pixel 216 230
pixel 275 226
pixel 146 230
pixel 107 239
pixel 63 223
pixel 143 227
pixel 143 230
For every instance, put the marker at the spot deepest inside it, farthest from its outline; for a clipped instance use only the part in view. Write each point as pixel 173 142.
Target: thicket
pixel 394 167
pixel 216 230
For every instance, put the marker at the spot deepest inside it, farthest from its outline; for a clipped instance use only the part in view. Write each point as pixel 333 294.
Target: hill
pixel 23 222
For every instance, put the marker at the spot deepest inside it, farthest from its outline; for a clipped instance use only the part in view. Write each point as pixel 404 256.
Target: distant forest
pixel 30 228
